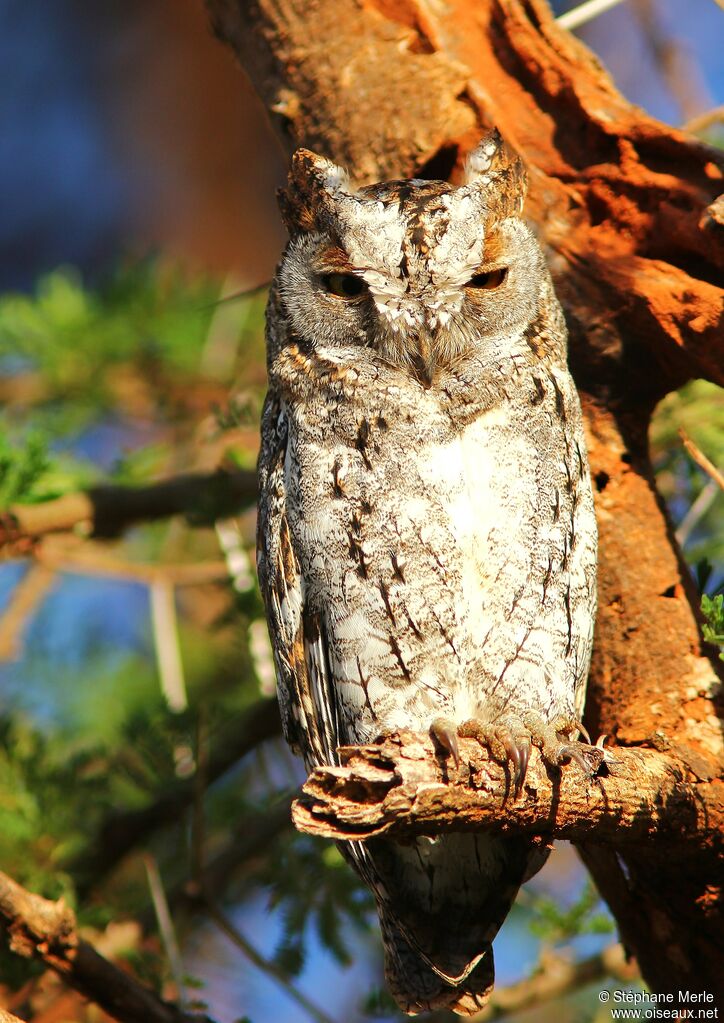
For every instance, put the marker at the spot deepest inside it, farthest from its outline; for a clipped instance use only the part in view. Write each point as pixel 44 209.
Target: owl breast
pixel 441 561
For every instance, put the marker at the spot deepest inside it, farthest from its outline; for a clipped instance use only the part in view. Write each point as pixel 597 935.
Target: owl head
pixel 416 273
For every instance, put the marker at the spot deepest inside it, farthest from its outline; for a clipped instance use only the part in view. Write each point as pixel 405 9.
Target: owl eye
pixel 489 280
pixel 343 285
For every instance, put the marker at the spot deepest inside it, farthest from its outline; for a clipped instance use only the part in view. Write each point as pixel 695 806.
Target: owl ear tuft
pixel 494 169
pixel 313 186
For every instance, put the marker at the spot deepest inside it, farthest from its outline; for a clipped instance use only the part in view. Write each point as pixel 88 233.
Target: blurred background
pixel 138 750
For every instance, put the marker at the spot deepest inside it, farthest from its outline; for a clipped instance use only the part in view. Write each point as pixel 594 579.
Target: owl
pixel 427 541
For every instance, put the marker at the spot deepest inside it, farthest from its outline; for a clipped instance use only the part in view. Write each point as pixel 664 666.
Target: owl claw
pixel 547 737
pixel 524 750
pixel 445 733
pixel 506 744
pixel 582 730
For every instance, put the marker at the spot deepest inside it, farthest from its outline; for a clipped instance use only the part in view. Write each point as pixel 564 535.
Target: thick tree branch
pixel 107 510
pixel 40 929
pixel 403 786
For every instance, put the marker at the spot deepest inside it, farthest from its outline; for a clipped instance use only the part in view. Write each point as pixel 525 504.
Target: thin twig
pixel 701 460
pixel 703 121
pixel 264 965
pixel 25 599
pixel 702 504
pixel 678 70
pixel 585 12
pixel 121 832
pixel 204 898
pixel 165 924
pixel 85 557
pixel 166 640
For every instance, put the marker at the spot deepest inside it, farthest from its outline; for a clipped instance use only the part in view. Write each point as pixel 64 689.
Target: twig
pixel 585 12
pixel 165 923
pixel 24 600
pixel 555 977
pixel 108 510
pixel 166 641
pixel 44 930
pixel 403 785
pixel 678 70
pixel 701 460
pixel 84 557
pixel 250 841
pixel 265 965
pixel 696 512
pixel 202 896
pixel 703 121
pixel 230 540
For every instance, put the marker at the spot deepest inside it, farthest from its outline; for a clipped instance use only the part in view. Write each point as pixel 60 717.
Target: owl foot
pixel 508 741
pixel 556 741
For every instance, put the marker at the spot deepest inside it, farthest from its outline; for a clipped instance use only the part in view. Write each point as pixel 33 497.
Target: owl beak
pixel 423 359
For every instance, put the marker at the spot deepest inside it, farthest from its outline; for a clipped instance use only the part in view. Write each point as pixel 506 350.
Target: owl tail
pixel 416 987
pixel 441 902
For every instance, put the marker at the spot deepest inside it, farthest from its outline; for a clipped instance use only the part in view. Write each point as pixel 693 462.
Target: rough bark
pixel 627 208
pixel 401 785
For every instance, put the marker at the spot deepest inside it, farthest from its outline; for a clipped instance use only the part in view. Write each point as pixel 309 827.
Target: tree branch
pixel 107 510
pixel 402 786
pixel 40 929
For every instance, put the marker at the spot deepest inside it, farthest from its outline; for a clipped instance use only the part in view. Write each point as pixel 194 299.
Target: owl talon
pixel 445 734
pixel 572 752
pixel 582 730
pixel 506 745
pixel 524 750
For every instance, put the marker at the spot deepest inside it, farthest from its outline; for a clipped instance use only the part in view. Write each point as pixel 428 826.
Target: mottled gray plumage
pixel 427 543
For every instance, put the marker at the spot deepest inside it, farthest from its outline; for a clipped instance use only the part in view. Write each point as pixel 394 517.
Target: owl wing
pixel 306 695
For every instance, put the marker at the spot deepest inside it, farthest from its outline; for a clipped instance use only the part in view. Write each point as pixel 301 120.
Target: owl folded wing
pixel 304 684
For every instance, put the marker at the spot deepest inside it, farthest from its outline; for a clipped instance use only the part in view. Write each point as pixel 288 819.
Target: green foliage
pixel 315 888
pixel 139 338
pixel 713 610
pixel 30 472
pixel 556 924
pixel 70 333
pixel 22 467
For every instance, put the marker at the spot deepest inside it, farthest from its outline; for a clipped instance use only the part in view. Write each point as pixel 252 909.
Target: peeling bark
pixel 629 212
pixel 402 786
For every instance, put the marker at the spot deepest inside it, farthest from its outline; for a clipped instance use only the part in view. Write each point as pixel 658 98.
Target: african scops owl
pixel 427 542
